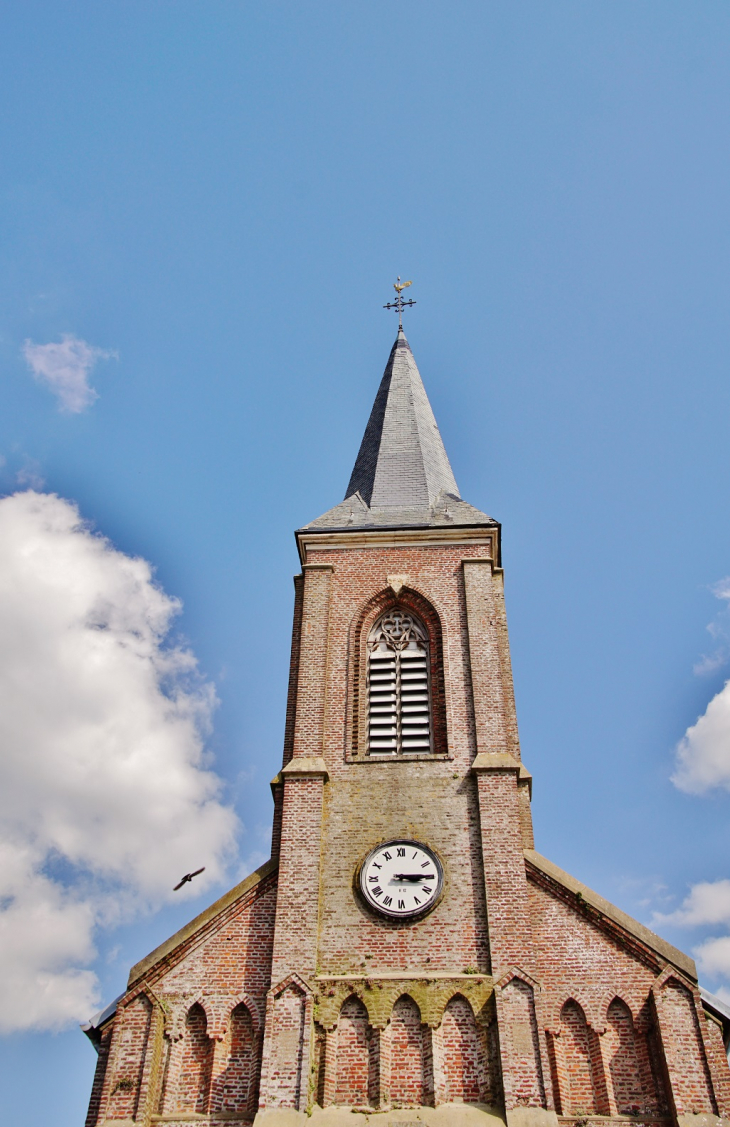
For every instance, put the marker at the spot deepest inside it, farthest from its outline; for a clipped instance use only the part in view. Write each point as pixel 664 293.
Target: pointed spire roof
pixel 402 475
pixel 402 462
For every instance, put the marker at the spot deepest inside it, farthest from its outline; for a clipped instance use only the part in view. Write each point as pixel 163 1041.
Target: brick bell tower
pixel 406 947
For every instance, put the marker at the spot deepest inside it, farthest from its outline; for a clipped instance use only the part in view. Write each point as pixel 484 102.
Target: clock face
pixel 401 879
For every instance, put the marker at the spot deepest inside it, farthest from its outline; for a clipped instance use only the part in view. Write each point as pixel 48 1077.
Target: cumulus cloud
pixel 106 796
pixel 65 368
pixel 703 753
pixel 707 903
pixel 713 958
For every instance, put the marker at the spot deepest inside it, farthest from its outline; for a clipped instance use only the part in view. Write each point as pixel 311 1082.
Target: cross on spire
pixel 399 303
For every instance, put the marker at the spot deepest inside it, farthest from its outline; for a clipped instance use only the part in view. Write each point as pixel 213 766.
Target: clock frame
pixel 420 885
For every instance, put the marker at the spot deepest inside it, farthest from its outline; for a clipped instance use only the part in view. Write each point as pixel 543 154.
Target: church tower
pixel 406 947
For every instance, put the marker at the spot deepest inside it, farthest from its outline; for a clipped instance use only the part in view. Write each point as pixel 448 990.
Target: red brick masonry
pixel 521 989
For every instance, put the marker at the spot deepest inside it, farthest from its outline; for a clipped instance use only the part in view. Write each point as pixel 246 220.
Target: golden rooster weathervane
pixel 399 303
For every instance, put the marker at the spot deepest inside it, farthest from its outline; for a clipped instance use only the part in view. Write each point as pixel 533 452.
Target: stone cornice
pixel 397 538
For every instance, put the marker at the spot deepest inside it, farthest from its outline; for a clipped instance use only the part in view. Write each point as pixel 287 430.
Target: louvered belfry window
pixel 399 706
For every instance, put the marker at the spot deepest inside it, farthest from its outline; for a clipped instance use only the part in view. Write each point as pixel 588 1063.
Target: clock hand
pixel 412 876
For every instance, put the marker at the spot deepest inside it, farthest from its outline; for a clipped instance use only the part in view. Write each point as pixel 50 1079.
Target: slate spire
pixel 402 462
pixel 402 477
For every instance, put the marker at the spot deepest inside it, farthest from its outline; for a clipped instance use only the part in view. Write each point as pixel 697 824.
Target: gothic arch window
pixel 399 696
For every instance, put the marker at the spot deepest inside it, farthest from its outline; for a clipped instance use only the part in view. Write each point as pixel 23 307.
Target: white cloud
pixel 65 369
pixel 703 754
pixel 707 903
pixel 106 797
pixel 713 959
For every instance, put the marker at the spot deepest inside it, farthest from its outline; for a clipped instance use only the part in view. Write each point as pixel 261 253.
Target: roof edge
pixel 720 1009
pixel 383 531
pixel 94 1026
pixel 488 522
pixel 650 939
pixel 189 929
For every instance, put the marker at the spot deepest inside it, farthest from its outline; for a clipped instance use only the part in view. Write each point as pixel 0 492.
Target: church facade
pixel 406 956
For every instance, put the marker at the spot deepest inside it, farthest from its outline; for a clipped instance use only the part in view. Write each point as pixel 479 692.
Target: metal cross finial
pixel 399 303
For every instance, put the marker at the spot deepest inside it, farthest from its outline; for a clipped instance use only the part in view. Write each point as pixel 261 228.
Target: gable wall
pixel 170 1048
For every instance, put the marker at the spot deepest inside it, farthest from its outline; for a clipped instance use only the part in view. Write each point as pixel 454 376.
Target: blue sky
pixel 218 197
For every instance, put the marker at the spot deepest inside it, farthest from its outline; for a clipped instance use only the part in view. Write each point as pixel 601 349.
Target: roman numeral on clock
pixel 397 887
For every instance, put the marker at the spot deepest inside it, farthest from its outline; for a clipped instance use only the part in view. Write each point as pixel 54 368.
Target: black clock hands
pixel 413 876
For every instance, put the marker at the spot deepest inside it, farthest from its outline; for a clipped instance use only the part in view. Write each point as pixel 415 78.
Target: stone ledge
pixel 495 761
pixel 402 757
pixel 306 765
pixel 702 1119
pixel 531 1117
pixel 446 1115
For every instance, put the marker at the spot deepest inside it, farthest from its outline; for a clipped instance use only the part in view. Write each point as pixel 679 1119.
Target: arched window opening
pixel 577 1080
pixel 353 1054
pixel 232 1087
pixel 623 1061
pixel 459 1043
pixel 197 1058
pixel 399 704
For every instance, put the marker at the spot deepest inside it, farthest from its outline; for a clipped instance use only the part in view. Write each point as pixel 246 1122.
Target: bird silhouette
pixel 401 285
pixel 188 877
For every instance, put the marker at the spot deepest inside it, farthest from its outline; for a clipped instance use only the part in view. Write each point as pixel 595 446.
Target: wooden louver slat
pixel 399 706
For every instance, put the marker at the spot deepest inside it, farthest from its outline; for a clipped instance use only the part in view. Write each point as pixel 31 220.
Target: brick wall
pixel 295 991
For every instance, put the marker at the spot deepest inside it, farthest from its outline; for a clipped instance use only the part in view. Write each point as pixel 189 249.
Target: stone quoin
pixel 471 980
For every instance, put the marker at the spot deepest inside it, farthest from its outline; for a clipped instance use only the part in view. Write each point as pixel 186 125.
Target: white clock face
pixel 401 879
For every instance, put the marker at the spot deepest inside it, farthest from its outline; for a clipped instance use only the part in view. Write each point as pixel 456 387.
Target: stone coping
pixel 305 765
pixel 144 965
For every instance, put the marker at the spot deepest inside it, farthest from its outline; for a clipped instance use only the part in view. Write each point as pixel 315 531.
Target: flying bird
pixel 188 877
